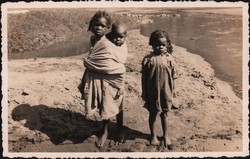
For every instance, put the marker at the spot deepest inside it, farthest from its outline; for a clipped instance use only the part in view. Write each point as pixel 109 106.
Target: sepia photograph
pixel 125 79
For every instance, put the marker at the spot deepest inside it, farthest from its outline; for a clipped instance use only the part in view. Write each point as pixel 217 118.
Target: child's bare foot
pixel 101 140
pixel 167 143
pixel 154 141
pixel 120 137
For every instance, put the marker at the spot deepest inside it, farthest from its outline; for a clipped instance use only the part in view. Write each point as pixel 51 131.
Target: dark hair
pixel 160 33
pixel 97 15
pixel 118 24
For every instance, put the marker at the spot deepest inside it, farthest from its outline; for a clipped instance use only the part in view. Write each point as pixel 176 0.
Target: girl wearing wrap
pixel 103 79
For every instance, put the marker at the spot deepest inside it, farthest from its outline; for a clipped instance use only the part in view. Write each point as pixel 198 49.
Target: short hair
pixel 160 33
pixel 116 25
pixel 97 15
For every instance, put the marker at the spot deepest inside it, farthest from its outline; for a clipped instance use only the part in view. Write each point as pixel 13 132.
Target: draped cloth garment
pixel 158 74
pixel 103 77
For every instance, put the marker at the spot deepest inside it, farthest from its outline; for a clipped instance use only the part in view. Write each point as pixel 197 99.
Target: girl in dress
pixel 158 75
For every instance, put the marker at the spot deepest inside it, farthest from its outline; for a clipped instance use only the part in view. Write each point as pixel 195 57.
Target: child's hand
pixel 174 94
pixel 175 104
pixel 120 92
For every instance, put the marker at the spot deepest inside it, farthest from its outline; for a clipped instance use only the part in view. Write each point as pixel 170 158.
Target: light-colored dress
pixel 158 74
pixel 104 76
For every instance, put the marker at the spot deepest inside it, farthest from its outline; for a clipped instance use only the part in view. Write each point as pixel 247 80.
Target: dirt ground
pixel 45 113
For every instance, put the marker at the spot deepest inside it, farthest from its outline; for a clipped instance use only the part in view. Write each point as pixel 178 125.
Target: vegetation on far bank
pixel 40 28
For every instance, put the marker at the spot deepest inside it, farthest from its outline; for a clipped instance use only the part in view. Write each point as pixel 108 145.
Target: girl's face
pixel 160 45
pixel 100 27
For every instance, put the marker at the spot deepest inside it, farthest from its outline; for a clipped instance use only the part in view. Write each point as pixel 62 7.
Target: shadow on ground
pixel 60 124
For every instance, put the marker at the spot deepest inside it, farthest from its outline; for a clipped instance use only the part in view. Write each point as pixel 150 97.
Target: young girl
pixel 99 26
pixel 103 79
pixel 158 75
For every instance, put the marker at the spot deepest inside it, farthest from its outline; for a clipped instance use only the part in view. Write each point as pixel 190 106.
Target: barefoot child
pixel 158 75
pixel 104 79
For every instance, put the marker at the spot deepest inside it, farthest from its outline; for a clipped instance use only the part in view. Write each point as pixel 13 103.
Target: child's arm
pixel 174 90
pixel 144 80
pixel 121 89
pixel 174 77
pixel 175 104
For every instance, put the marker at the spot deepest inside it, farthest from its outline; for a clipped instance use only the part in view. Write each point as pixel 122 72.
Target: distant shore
pixel 229 11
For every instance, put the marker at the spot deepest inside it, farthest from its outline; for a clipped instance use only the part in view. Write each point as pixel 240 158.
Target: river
pixel 217 38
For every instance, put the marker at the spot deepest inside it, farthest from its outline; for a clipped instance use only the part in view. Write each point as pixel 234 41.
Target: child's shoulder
pixel 92 40
pixel 171 59
pixel 169 56
pixel 148 56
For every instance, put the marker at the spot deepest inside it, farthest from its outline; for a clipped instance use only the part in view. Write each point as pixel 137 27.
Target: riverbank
pixel 226 11
pixel 47 115
pixel 207 32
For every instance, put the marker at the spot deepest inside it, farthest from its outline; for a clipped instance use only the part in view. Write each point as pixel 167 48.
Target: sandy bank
pixel 46 114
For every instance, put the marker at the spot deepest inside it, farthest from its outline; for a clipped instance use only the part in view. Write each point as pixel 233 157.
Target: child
pixel 118 33
pixel 104 79
pixel 98 25
pixel 158 75
pixel 118 36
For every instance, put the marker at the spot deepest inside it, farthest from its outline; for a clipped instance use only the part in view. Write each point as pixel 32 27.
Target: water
pixel 76 45
pixel 217 38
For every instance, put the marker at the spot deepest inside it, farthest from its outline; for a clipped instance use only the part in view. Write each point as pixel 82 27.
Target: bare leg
pixel 153 137
pixel 101 140
pixel 120 128
pixel 166 140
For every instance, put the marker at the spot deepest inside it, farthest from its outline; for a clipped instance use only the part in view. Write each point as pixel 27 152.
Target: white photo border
pixel 103 4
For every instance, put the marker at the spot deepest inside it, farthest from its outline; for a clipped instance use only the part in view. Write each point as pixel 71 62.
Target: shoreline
pixel 65 46
pixel 48 92
pixel 217 10
pixel 180 53
pixel 237 92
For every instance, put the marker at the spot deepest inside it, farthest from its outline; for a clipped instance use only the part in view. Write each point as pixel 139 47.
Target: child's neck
pixel 95 39
pixel 164 53
pixel 98 37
